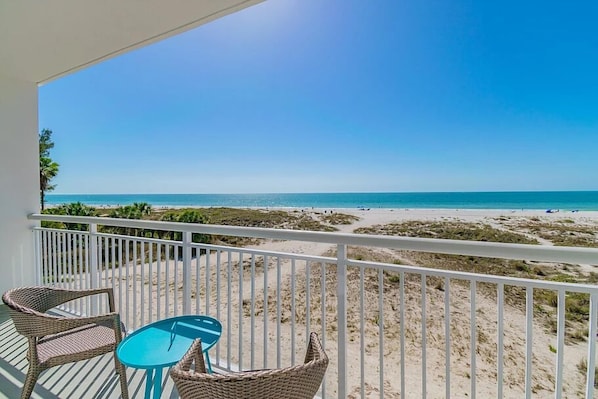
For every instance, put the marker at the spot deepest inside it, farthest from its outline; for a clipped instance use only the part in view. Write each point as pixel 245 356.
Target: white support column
pixel 19 181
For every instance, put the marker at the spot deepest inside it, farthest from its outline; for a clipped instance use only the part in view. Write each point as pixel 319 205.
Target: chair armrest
pixel 70 295
pixel 47 324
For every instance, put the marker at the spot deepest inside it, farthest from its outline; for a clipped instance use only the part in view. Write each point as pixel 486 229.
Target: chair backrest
pixel 296 382
pixel 27 305
pixel 38 299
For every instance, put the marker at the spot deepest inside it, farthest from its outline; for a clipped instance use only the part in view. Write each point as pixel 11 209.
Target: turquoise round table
pixel 163 343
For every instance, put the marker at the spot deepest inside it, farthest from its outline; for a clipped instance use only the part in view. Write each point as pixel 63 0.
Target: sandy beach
pixel 502 220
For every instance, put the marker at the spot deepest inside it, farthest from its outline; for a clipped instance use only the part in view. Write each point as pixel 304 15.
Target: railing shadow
pixel 93 378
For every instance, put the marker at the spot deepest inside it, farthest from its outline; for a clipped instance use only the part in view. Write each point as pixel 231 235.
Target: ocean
pixel 538 200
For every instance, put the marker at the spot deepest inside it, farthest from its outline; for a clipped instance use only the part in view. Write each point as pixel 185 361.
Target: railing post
pixel 341 297
pixel 187 240
pixel 93 265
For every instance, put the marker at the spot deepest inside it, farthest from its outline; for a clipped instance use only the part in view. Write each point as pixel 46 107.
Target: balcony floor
pixel 93 378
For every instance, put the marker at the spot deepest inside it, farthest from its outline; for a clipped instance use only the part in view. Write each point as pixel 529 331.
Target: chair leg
pixel 122 376
pixel 30 382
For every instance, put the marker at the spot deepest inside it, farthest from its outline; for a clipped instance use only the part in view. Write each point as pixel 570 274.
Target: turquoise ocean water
pixel 542 200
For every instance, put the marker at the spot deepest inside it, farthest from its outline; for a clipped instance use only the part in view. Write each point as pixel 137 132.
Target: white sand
pixel 435 353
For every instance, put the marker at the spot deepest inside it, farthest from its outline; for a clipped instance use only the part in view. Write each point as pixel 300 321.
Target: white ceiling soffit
pixel 43 40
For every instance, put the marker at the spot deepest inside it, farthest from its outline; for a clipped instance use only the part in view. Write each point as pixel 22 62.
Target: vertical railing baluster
pixel 362 330
pixel 252 305
pixel 46 259
pixel 69 264
pixel 175 297
pixel 187 241
pixel 278 312
pixel 529 316
pixel 198 272
pixel 127 280
pixel 447 336
pixel 473 328
pixel 341 297
pixel 37 257
pixel 308 298
pixel 500 299
pixel 323 317
pixel 592 331
pixel 150 282
pixel 240 332
pixel 134 284
pixel 93 264
pixel 208 283
pixel 424 337
pixel 168 248
pixel 142 305
pixel 218 263
pixel 229 308
pixel 104 268
pixel 266 311
pixel 560 344
pixel 87 274
pixel 120 275
pixel 293 310
pixel 158 288
pixel 61 259
pixel 81 272
pixel 402 331
pixel 113 261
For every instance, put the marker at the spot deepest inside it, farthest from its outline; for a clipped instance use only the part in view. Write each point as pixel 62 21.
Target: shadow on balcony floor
pixel 94 378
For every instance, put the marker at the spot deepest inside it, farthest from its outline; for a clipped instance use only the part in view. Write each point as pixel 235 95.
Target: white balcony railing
pixel 388 328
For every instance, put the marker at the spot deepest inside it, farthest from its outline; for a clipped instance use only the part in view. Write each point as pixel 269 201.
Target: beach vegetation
pixel 48 168
pixel 185 216
pixel 136 211
pixel 71 209
pixel 582 366
pixel 561 232
pixel 336 218
pixel 392 277
pixel 448 230
pixel 576 304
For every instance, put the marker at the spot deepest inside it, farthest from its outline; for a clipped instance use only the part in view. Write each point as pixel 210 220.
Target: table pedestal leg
pixel 158 383
pixel 149 377
pixel 153 378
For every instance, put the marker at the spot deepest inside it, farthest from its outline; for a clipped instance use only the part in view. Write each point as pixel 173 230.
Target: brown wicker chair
pixel 296 382
pixel 55 340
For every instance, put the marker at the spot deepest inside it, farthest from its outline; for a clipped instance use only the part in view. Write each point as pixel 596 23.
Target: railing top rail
pixel 542 253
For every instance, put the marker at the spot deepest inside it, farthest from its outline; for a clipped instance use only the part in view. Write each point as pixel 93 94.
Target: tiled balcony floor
pixel 93 378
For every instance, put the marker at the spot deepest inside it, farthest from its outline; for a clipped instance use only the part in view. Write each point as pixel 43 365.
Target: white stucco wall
pixel 19 180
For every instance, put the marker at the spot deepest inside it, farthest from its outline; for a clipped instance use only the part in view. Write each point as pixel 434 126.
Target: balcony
pixel 390 329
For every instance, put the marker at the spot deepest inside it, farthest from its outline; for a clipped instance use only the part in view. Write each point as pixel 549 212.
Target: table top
pixel 163 343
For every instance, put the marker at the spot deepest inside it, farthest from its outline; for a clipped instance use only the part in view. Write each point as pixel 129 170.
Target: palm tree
pixel 48 169
pixel 142 208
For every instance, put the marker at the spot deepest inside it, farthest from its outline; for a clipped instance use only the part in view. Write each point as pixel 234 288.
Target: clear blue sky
pixel 341 95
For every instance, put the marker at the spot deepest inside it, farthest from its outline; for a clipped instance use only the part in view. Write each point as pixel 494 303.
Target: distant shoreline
pixel 563 201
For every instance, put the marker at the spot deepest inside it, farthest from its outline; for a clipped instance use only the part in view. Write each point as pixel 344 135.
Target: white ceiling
pixel 41 40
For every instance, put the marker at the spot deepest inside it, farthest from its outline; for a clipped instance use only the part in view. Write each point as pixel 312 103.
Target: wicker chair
pixel 55 340
pixel 296 382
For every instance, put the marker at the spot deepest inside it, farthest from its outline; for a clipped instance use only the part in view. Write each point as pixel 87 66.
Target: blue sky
pixel 341 96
